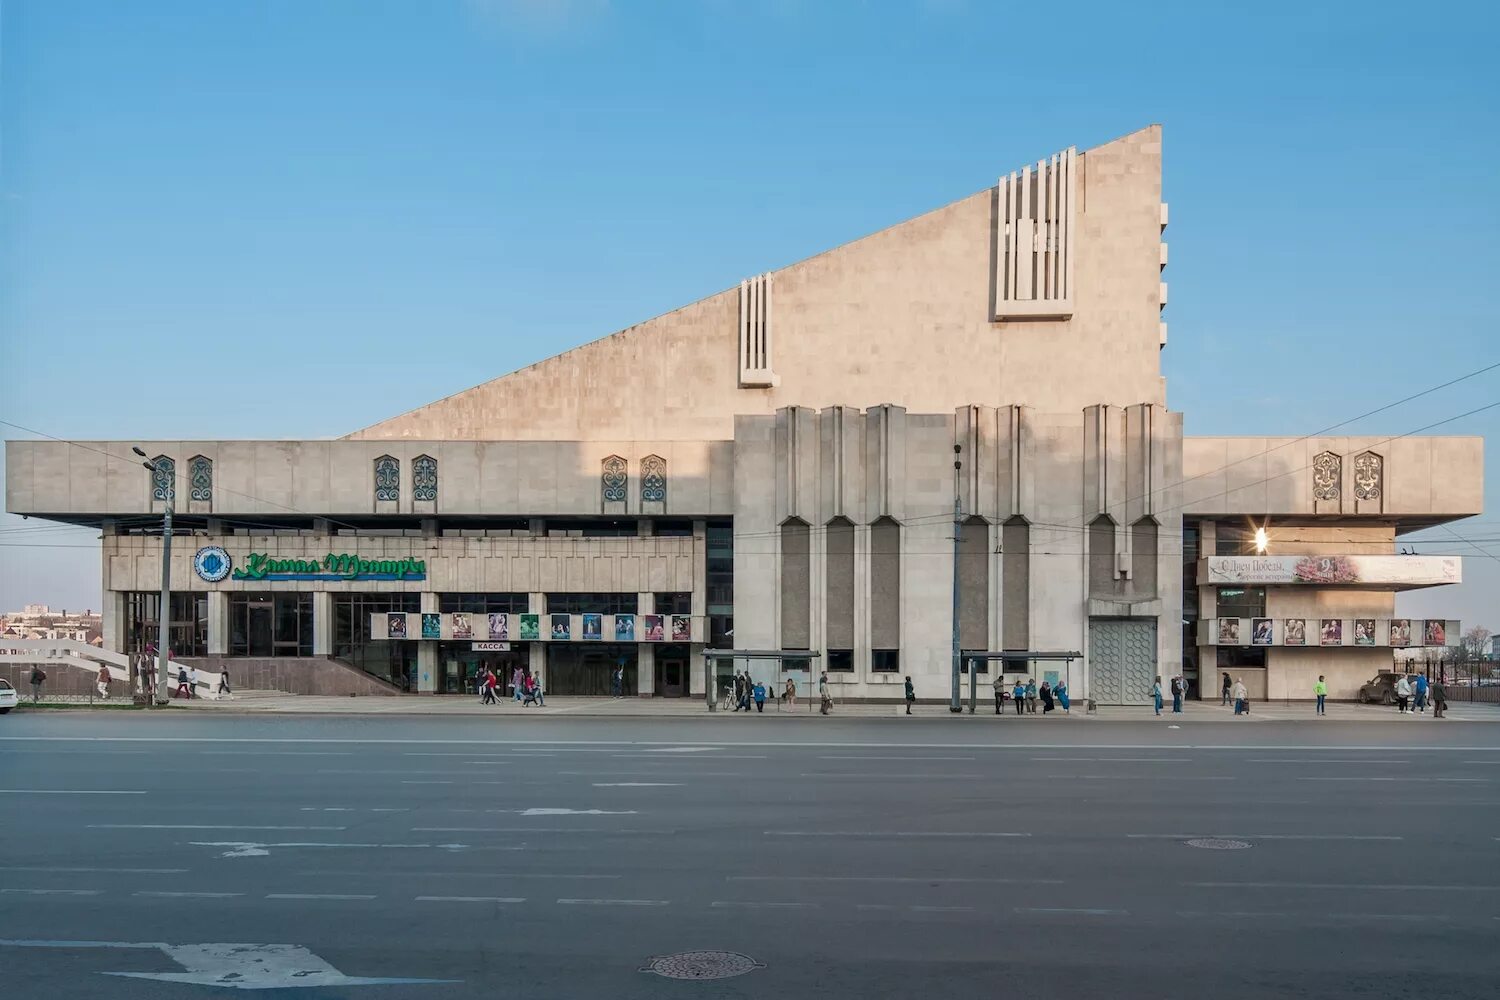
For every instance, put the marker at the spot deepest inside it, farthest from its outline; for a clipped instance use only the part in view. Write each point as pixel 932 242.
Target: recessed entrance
pixel 671 671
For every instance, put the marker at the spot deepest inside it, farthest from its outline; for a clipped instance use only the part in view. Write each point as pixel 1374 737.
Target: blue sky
pixel 291 219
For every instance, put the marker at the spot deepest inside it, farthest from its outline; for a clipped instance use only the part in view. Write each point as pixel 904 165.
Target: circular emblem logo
pixel 212 563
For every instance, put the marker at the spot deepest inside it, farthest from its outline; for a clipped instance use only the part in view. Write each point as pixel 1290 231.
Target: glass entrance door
pixel 258 626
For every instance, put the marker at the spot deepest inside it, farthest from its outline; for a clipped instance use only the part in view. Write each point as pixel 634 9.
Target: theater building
pixel 777 467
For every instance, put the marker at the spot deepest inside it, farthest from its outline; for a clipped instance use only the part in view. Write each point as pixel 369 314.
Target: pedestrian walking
pixel 1224 689
pixel 825 699
pixel 1176 695
pixel 1241 696
pixel 1060 689
pixel 224 689
pixel 911 694
pixel 1420 691
pixel 760 696
pixel 1320 691
pixel 1439 699
pixel 1156 695
pixel 192 682
pixel 1403 695
pixel 517 681
pixel 487 688
pixel 102 681
pixel 182 684
pixel 1018 695
pixel 1031 695
pixel 999 686
pixel 1046 696
pixel 38 678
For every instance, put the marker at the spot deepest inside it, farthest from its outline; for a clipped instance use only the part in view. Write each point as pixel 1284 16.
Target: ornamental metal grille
pixel 424 478
pixel 387 478
pixel 1328 472
pixel 614 479
pixel 163 479
pixel 1369 476
pixel 653 479
pixel 201 478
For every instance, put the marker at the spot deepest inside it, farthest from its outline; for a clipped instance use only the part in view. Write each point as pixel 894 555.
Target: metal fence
pixel 1470 680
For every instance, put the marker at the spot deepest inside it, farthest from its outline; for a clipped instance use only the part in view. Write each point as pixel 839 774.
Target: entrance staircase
pixel 52 654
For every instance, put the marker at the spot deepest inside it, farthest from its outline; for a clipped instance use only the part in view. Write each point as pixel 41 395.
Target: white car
pixel 8 697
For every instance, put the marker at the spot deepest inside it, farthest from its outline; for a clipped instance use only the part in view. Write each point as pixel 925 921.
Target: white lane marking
pixel 874 906
pixel 460 874
pixel 885 833
pixel 850 757
pixel 470 899
pixel 202 826
pixel 251 849
pixel 718 756
pixel 899 879
pixel 313 895
pixel 659 774
pixel 1137 777
pixel 361 770
pixel 432 781
pixel 1341 886
pixel 1261 836
pixel 681 749
pixel 1394 779
pixel 559 745
pixel 1375 761
pixel 928 776
pixel 65 791
pixel 112 871
pixel 232 966
pixel 941 909
pixel 1088 911
pixel 188 895
pixel 637 784
pixel 573 812
pixel 541 829
pixel 276 753
pixel 614 902
pixel 55 892
pixel 723 904
pixel 1262 914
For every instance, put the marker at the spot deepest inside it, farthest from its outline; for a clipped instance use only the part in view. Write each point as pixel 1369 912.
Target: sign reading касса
pixel 341 566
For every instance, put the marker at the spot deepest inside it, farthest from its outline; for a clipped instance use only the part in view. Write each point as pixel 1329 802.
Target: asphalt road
pixel 846 858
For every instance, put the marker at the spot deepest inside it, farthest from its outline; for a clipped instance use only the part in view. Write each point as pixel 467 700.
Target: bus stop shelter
pixel 1013 660
pixel 715 670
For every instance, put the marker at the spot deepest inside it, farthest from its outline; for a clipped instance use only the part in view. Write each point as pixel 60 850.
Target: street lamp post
pixel 164 612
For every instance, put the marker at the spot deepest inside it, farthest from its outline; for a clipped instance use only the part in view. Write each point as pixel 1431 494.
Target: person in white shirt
pixel 1403 694
pixel 1241 696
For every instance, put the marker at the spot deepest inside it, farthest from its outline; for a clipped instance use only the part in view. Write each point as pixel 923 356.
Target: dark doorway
pixel 671 671
pixel 258 629
pixel 585 668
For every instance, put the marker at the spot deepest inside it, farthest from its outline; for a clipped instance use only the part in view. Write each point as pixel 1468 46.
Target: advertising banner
pixel 1400 571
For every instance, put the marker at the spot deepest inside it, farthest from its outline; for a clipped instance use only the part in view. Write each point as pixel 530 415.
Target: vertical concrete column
pixel 427 651
pixel 218 623
pixel 322 623
pixel 536 603
pixel 862 645
pixel 114 618
pixel 699 606
pixel 1208 607
pixel 645 659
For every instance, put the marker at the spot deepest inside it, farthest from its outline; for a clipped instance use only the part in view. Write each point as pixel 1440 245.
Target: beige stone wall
pixel 902 316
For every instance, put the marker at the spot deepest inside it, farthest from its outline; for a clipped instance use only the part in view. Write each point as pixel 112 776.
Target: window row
pixel 163 474
pixel 424 478
pixel 1328 476
pixel 614 479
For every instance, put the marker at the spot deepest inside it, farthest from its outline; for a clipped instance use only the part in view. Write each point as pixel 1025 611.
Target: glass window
pixel 424 478
pixel 653 479
pixel 597 603
pixel 1242 602
pixel 387 478
pixel 1241 656
pixel 201 478
pixel 719 567
pixel 664 528
pixel 163 479
pixel 841 661
pixel 614 479
pixel 885 661
pixel 187 625
pixel 391 660
pixel 484 604
pixel 271 624
pixel 1234 540
pixel 674 604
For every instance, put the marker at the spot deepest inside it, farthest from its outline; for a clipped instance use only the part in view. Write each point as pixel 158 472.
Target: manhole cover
pixel 1218 844
pixel 703 965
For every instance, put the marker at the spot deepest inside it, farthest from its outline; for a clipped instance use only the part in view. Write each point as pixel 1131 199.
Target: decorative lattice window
pixel 653 479
pixel 614 479
pixel 201 477
pixel 424 478
pixel 1328 473
pixel 387 478
pixel 163 479
pixel 1369 476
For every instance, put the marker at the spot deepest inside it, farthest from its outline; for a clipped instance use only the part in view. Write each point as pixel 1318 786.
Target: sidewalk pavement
pixel 273 703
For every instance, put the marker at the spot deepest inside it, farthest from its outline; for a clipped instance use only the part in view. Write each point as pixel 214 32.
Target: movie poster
pixel 682 628
pixel 624 628
pixel 461 627
pixel 653 629
pixel 395 626
pixel 1294 632
pixel 432 626
pixel 1437 632
pixel 1229 631
pixel 1364 631
pixel 562 628
pixel 1261 632
pixel 531 628
pixel 499 626
pixel 1400 632
pixel 593 627
pixel 1332 632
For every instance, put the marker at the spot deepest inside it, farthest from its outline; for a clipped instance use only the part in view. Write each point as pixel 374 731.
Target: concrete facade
pixel 811 417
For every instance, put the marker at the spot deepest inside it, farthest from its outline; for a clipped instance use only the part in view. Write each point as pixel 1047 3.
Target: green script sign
pixel 341 566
